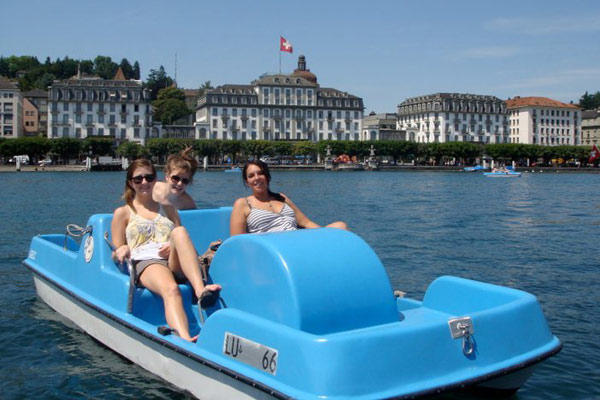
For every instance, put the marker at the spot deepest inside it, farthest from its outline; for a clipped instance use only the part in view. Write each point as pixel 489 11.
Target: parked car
pixel 44 162
pixel 23 159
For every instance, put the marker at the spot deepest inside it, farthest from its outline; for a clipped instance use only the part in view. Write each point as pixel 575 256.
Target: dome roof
pixel 304 72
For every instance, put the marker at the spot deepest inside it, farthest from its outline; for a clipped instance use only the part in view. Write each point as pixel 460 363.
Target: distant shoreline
pixel 310 167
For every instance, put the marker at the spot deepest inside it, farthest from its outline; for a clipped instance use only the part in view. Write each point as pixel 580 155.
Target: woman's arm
pixel 186 202
pixel 117 232
pixel 237 223
pixel 301 219
pixel 172 214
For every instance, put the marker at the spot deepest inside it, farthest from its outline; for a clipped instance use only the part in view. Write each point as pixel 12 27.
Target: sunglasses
pixel 176 179
pixel 140 178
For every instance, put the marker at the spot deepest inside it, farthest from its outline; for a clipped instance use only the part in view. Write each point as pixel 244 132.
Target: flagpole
pixel 279 55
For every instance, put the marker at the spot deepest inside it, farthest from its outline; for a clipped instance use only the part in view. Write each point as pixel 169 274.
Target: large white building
pixel 452 117
pixel 11 109
pixel 90 106
pixel 279 107
pixel 543 121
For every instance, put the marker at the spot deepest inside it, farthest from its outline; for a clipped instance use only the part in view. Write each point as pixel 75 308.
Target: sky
pixel 382 51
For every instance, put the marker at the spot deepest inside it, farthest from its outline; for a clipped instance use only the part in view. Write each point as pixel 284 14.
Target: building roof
pixel 119 75
pixel 331 92
pixel 518 102
pixel 590 114
pixel 36 93
pixel 7 84
pixel 191 92
pixel 283 80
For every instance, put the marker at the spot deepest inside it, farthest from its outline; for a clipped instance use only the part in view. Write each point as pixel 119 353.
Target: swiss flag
pixel 284 45
pixel 594 154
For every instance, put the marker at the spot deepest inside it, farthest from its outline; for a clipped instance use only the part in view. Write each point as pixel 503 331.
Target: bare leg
pixel 159 279
pixel 184 259
pixel 338 224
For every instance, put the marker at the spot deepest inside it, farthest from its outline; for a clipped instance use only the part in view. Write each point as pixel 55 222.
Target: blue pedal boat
pixel 475 168
pixel 308 314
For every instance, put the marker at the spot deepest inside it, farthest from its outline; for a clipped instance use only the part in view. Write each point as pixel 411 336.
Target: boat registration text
pixel 251 353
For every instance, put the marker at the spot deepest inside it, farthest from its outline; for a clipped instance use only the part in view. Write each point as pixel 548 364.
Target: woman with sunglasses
pixel 179 172
pixel 266 211
pixel 160 248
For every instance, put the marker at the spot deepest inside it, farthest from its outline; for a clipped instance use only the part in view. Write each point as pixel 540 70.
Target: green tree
pixel 104 67
pixel 203 88
pixel 208 148
pixel 136 70
pixel 131 150
pixel 170 105
pixel 257 148
pixel 66 148
pixel 157 79
pixel 98 146
pixel 590 101
pixel 126 68
pixel 283 148
pixel 44 81
pixel 305 149
pixel 158 148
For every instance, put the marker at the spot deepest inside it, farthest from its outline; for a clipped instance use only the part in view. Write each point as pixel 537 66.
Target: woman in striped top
pixel 264 210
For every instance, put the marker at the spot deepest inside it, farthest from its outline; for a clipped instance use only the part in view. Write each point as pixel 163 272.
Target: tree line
pixel 167 100
pixel 30 73
pixel 590 101
pixel 63 150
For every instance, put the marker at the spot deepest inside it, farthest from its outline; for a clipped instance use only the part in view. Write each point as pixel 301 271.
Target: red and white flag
pixel 285 45
pixel 594 154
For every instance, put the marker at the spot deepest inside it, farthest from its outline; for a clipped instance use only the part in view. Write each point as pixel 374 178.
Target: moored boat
pixel 296 320
pixel 502 174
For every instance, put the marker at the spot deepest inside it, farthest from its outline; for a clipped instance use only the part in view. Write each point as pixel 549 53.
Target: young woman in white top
pixel 160 248
pixel 264 210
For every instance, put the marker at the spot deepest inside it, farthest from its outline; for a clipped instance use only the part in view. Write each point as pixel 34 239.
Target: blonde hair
pixel 129 193
pixel 183 160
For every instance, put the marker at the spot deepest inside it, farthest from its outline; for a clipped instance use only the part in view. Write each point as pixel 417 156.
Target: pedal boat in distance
pixel 475 168
pixel 308 314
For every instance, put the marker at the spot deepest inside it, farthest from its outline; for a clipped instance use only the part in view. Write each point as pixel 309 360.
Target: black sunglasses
pixel 176 179
pixel 139 178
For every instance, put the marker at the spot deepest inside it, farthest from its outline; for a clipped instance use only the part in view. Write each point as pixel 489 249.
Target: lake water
pixel 538 233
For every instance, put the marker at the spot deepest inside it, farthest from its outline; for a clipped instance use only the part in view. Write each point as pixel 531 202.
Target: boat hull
pixel 176 366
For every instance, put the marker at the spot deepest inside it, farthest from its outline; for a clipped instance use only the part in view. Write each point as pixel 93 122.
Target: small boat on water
pixel 233 169
pixel 306 314
pixel 474 168
pixel 503 173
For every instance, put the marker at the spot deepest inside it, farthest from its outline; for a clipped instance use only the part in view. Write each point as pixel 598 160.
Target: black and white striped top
pixel 260 220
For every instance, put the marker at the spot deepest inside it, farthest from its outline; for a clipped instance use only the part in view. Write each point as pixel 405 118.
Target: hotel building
pixel 454 117
pixel 90 106
pixel 543 121
pixel 11 109
pixel 279 107
pixel 590 127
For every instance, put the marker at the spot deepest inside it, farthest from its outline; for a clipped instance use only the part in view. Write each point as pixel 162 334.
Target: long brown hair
pixel 183 160
pixel 129 193
pixel 264 168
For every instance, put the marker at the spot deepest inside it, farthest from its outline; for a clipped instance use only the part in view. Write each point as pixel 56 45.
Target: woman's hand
pixel 165 251
pixel 121 253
